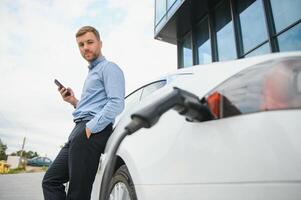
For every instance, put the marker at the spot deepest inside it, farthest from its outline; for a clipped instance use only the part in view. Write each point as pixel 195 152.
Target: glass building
pixel 207 31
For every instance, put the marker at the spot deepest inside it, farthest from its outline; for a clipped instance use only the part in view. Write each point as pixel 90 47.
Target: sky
pixel 37 45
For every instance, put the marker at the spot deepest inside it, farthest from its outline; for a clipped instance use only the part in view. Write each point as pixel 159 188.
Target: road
pixel 25 186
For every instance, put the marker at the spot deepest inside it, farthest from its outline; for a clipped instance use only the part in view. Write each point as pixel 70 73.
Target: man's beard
pixel 94 56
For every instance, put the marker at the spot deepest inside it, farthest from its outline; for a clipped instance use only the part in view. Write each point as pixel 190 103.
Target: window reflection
pixel 160 9
pixel 132 99
pixel 186 51
pixel 264 49
pixel 224 32
pixel 135 97
pixel 170 3
pixel 172 6
pixel 285 12
pixel 203 43
pixel 152 88
pixel 252 21
pixel 291 39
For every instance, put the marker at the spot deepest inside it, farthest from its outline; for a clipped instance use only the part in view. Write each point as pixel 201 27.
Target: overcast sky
pixel 37 45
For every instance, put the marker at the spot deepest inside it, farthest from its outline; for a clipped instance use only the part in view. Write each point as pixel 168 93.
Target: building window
pixel 252 22
pixel 170 3
pixel 224 32
pixel 203 46
pixel 285 12
pixel 186 51
pixel 172 6
pixel 228 29
pixel 160 10
pixel 164 9
pixel 290 40
pixel 263 49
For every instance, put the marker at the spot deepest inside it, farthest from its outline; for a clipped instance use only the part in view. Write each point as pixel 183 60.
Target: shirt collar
pixel 96 61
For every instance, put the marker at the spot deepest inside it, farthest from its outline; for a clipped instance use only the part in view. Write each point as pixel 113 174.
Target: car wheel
pixel 122 186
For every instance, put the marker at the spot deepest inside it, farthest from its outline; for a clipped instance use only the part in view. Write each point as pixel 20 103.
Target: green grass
pixel 44 168
pixel 16 171
pixel 23 170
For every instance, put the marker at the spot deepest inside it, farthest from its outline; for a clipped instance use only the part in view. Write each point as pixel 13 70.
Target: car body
pixel 39 161
pixel 249 150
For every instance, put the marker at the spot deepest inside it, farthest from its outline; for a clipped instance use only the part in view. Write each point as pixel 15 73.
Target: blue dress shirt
pixel 102 96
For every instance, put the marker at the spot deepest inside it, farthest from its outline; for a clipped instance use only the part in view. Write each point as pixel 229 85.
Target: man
pixel 101 101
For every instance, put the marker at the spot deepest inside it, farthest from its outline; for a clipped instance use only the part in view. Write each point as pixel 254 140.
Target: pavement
pixel 34 169
pixel 28 186
pixel 23 186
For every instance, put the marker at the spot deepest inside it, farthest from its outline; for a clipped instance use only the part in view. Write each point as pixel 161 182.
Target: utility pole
pixel 24 139
pixel 22 150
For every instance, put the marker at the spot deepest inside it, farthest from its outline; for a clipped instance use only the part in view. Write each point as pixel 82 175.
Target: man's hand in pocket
pixel 88 132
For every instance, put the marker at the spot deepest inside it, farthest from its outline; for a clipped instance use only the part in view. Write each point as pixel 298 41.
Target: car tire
pixel 122 186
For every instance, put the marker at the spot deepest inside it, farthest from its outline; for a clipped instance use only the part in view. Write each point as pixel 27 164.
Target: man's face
pixel 89 46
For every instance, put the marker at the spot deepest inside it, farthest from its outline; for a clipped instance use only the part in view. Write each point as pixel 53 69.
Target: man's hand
pixel 68 98
pixel 88 132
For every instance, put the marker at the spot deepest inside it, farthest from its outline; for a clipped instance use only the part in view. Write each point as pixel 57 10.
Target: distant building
pixel 207 31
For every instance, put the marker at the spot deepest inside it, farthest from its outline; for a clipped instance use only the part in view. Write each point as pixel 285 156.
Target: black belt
pixel 83 119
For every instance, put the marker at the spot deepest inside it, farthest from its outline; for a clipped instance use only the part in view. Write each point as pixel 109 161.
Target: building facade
pixel 207 31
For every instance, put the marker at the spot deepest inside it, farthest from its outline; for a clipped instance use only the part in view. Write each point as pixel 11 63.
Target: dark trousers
pixel 77 162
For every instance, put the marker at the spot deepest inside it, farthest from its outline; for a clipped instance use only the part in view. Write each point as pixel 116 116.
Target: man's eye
pixel 81 44
pixel 90 42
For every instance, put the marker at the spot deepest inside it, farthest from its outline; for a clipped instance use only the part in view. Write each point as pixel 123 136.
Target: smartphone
pixel 61 86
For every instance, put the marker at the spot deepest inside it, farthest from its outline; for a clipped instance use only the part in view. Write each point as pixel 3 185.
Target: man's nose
pixel 86 47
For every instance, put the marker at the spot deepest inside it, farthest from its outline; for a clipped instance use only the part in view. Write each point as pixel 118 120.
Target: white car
pixel 248 147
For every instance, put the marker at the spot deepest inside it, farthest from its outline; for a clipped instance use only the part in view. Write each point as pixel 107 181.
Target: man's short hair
pixel 85 29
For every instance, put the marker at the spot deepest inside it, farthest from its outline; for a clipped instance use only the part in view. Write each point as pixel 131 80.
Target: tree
pixel 3 148
pixel 26 154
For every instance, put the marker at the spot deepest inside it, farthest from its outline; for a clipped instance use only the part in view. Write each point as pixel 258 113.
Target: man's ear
pixel 100 43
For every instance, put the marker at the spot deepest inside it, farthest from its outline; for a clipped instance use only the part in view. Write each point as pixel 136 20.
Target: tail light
pixel 271 85
pixel 214 103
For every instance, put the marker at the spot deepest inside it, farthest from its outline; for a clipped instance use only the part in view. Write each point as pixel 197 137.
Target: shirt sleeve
pixel 114 85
